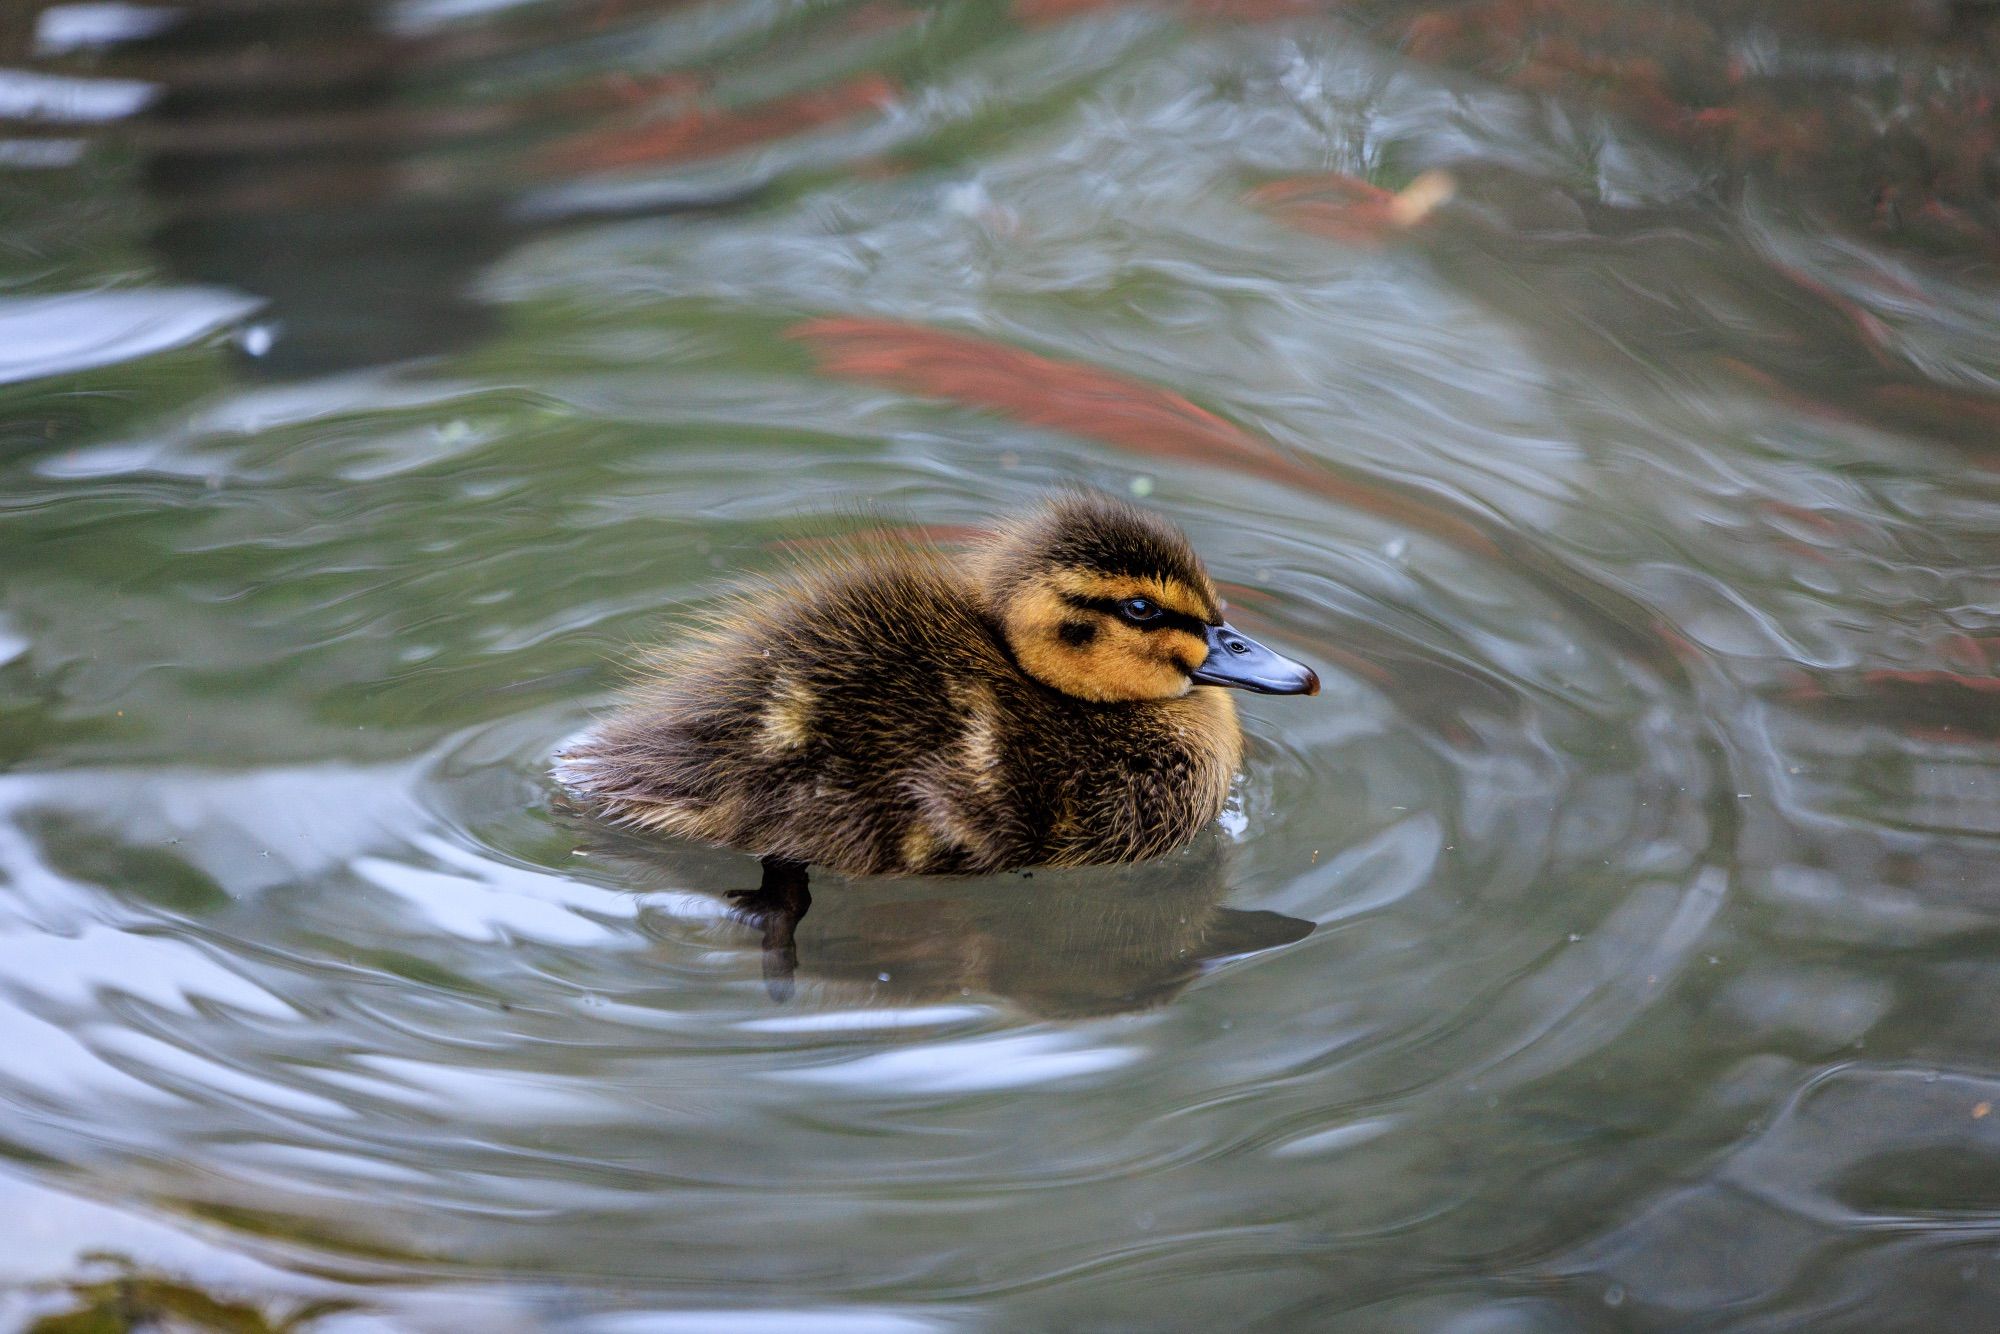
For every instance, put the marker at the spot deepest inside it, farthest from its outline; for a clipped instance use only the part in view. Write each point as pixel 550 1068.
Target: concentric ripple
pixel 1608 941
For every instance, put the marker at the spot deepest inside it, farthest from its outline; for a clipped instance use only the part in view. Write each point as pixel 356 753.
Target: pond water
pixel 1605 399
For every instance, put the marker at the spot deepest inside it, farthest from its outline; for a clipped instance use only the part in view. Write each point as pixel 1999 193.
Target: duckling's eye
pixel 1140 609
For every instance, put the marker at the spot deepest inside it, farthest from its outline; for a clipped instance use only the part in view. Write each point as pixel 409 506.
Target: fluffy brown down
pixel 873 715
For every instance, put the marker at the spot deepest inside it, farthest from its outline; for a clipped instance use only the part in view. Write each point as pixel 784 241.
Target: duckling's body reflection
pixel 1059 944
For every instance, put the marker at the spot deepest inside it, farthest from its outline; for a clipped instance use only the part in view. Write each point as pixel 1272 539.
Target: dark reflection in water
pixel 356 176
pixel 1056 944
pixel 285 154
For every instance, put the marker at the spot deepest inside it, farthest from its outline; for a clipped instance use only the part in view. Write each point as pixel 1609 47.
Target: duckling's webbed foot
pixel 776 905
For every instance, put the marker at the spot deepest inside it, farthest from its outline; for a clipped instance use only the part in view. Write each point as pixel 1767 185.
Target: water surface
pixel 1605 403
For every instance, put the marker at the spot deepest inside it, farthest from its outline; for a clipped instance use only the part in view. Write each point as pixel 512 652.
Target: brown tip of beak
pixel 1312 681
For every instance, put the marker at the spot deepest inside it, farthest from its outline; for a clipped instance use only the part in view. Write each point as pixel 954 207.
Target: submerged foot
pixel 776 905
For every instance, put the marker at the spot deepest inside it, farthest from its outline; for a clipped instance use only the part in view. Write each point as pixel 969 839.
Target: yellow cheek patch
pixel 1033 623
pixel 1116 661
pixel 1121 671
pixel 1182 645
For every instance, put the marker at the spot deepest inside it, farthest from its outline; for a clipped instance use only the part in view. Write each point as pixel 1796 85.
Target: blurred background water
pixel 1604 394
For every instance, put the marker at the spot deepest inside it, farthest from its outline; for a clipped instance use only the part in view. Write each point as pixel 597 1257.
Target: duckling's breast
pixel 1129 781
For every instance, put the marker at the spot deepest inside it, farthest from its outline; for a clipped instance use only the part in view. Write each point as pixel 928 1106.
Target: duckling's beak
pixel 1235 659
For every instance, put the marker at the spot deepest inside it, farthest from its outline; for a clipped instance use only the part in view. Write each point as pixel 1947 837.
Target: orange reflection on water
pixel 1036 13
pixel 1349 209
pixel 1098 405
pixel 701 132
pixel 1038 390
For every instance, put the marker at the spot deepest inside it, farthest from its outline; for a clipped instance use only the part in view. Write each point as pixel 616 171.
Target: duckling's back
pixel 816 721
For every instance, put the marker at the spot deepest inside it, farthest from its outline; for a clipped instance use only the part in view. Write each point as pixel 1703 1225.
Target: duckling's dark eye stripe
pixel 1166 619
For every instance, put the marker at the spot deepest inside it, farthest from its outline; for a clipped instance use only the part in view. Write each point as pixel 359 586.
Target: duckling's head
pixel 1104 601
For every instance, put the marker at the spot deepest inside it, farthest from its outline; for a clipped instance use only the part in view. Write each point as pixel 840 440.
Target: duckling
pixel 1047 699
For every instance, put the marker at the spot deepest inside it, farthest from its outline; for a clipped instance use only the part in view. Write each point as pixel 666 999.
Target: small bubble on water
pixel 967 198
pixel 1142 487
pixel 1614 1295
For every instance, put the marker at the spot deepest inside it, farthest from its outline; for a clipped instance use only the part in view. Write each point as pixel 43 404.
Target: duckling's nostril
pixel 1237 646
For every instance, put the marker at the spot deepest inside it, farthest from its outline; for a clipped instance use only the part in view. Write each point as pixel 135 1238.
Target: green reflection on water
pixel 1645 822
